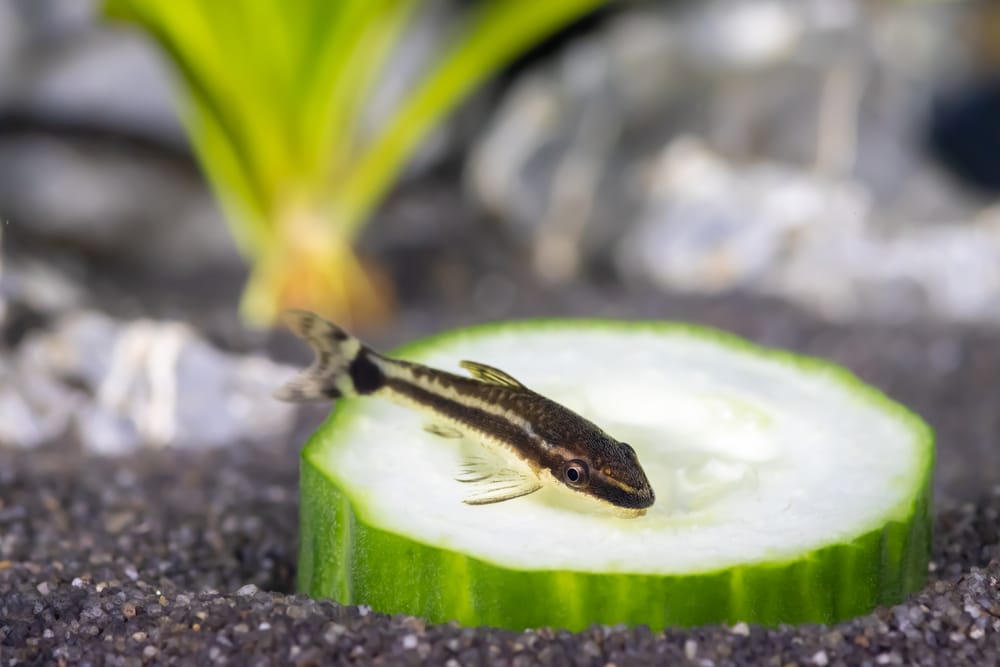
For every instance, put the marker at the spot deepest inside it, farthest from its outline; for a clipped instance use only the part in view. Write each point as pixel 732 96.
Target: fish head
pixel 607 471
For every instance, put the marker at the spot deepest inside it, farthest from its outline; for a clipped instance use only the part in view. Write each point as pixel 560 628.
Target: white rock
pixel 152 383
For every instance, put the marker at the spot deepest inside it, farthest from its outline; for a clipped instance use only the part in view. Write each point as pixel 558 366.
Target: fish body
pixel 555 443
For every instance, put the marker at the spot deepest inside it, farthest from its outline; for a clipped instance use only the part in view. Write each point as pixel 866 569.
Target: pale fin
pixel 493 484
pixel 477 468
pixel 490 374
pixel 343 365
pixel 495 490
pixel 443 431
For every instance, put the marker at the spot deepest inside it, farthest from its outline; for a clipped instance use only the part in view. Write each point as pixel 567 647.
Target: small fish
pixel 557 444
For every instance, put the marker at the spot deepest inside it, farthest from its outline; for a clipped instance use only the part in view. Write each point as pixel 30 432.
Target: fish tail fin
pixel 344 366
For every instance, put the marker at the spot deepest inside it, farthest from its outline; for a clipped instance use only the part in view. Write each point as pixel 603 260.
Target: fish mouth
pixel 623 505
pixel 626 496
pixel 630 512
pixel 632 504
pixel 642 499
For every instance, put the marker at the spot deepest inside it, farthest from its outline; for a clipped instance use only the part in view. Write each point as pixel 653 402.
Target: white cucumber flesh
pixel 787 490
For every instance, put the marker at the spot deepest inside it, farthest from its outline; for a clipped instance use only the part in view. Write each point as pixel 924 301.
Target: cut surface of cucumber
pixel 787 490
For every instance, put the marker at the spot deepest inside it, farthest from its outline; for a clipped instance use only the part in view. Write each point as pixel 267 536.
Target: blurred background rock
pixel 841 156
pixel 774 147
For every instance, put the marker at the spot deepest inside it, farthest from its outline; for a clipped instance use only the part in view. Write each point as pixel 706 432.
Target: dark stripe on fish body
pixel 550 421
pixel 515 399
pixel 494 426
pixel 366 376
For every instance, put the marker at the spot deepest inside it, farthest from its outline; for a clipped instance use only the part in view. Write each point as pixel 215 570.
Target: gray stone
pixel 710 227
pixel 37 285
pixel 34 408
pixel 247 590
pixel 72 66
pixel 114 77
pixel 48 21
pixel 11 36
pixel 110 201
pixel 104 198
pixel 780 156
pixel 138 383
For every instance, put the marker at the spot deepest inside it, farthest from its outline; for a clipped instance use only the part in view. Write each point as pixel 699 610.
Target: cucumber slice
pixel 787 490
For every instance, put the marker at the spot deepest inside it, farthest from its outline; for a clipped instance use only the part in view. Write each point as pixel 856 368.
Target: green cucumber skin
pixel 343 558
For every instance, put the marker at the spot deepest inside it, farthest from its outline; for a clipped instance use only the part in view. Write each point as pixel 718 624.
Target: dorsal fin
pixel 490 374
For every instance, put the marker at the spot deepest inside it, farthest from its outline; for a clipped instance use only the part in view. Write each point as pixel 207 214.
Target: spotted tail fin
pixel 344 366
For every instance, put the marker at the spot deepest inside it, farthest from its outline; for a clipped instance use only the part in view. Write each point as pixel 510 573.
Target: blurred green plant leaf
pixel 276 95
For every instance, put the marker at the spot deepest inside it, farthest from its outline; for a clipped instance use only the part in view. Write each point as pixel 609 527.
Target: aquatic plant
pixel 276 94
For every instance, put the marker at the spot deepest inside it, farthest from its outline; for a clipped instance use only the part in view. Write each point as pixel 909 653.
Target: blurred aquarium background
pixel 174 173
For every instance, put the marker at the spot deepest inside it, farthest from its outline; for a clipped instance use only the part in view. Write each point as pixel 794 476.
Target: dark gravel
pixel 188 557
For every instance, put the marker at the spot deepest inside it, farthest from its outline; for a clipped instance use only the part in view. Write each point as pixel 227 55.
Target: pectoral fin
pixel 495 490
pixel 489 374
pixel 476 469
pixel 492 484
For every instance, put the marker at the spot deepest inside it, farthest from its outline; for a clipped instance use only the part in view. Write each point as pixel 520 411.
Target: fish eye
pixel 576 473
